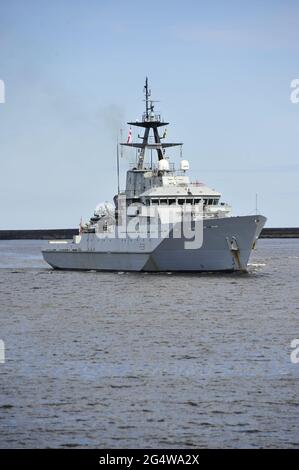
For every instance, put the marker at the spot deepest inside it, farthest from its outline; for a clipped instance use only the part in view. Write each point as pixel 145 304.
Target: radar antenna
pixel 147 93
pixel 150 121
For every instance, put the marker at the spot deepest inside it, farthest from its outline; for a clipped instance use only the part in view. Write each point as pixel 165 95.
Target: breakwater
pixel 280 232
pixel 42 234
pixel 68 233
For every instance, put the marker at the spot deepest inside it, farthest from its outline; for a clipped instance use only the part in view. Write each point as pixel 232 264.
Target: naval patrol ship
pixel 162 221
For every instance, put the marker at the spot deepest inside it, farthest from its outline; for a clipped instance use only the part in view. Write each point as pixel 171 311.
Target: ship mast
pixel 147 93
pixel 150 120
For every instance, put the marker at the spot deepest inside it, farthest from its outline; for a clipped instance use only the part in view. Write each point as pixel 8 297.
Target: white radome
pixel 184 165
pixel 104 208
pixel 163 165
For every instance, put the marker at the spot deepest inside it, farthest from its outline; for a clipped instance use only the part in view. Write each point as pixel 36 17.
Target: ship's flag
pixel 165 133
pixel 129 139
pixel 81 226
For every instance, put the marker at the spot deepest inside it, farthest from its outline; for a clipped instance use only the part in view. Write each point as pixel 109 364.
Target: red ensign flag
pixel 129 140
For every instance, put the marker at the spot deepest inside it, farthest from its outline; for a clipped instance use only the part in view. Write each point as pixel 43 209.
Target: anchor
pixel 235 250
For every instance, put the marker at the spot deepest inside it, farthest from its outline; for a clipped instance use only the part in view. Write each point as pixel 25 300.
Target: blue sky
pixel 74 72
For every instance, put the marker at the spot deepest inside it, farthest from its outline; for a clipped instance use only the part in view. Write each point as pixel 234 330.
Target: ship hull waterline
pixel 168 254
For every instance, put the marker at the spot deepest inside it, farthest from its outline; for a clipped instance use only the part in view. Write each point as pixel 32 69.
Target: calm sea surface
pixel 149 360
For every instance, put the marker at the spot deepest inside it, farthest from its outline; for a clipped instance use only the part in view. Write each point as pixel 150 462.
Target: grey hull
pixel 170 253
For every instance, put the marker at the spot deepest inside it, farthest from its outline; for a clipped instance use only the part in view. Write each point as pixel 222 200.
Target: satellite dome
pixel 184 165
pixel 163 165
pixel 104 208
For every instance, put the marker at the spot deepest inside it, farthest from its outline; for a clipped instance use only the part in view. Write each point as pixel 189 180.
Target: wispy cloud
pixel 200 33
pixel 287 168
pixel 277 29
pixel 277 38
